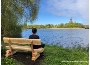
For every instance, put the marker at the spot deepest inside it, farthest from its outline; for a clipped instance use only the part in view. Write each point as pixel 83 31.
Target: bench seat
pixel 26 48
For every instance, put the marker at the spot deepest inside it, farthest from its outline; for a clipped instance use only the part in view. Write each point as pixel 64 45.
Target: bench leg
pixel 9 52
pixel 35 55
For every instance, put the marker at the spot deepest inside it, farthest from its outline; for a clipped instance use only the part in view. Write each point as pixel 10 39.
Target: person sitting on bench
pixel 34 36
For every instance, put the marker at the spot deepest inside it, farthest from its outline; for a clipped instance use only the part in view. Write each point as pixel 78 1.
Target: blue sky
pixel 60 11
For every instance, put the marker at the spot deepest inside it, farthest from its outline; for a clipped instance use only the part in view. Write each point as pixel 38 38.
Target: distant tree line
pixel 67 25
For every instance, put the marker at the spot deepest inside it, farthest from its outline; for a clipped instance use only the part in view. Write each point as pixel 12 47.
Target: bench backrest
pixel 22 41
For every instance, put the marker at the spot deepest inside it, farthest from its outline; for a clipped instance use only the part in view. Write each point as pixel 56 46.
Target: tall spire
pixel 70 20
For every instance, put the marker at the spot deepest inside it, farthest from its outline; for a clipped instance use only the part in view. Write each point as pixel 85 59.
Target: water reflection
pixel 62 37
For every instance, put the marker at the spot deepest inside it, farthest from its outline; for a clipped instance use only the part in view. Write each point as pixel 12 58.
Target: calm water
pixel 61 37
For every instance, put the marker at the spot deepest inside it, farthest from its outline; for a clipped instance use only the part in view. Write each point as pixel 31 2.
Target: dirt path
pixel 25 58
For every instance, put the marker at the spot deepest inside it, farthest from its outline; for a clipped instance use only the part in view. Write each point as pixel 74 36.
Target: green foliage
pixel 74 25
pixel 13 11
pixel 60 25
pixel 3 50
pixel 86 26
pixel 10 61
pixel 48 25
pixel 11 29
pixel 67 25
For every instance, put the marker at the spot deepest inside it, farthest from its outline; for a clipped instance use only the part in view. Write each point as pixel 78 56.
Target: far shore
pixel 60 28
pixel 65 28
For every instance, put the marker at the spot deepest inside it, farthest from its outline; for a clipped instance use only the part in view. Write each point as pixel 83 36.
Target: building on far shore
pixel 71 20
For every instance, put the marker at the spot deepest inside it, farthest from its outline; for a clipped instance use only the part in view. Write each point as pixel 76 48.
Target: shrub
pixel 10 61
pixel 3 50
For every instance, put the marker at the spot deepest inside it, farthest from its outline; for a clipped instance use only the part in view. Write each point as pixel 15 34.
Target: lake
pixel 61 37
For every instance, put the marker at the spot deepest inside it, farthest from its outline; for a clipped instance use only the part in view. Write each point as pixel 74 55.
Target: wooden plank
pixel 8 53
pixel 40 50
pixel 34 54
pixel 36 41
pixel 17 47
pixel 17 40
pixel 27 48
pixel 22 41
pixel 34 58
pixel 10 45
pixel 32 47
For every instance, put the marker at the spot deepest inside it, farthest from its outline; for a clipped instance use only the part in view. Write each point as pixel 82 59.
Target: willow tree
pixel 12 13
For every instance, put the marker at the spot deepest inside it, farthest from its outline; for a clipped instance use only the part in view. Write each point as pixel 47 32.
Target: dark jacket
pixel 33 37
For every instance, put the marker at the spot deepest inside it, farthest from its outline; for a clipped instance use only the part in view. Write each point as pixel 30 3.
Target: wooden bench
pixel 14 44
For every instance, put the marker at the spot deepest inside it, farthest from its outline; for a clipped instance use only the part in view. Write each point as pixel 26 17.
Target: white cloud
pixel 69 8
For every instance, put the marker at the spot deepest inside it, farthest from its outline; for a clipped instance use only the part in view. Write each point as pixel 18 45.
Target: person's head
pixel 34 30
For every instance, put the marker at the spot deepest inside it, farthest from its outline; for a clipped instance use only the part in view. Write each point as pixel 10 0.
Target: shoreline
pixel 60 28
pixel 65 28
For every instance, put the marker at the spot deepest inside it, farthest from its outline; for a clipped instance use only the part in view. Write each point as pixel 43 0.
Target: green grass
pixel 10 61
pixel 55 55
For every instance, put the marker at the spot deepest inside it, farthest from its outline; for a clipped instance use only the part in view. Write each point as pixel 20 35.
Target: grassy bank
pixel 55 55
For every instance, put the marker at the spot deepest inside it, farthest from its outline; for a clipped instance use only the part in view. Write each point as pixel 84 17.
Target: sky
pixel 60 11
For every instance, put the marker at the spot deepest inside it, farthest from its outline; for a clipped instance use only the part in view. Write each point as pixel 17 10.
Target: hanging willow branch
pixel 14 10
